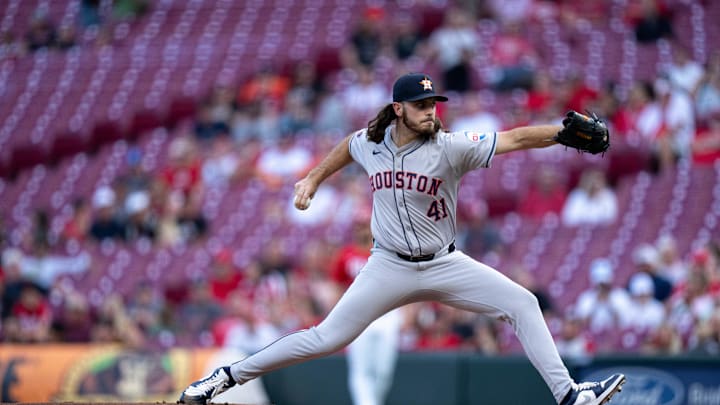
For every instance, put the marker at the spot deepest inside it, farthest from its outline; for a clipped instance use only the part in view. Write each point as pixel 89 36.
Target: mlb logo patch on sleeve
pixel 474 136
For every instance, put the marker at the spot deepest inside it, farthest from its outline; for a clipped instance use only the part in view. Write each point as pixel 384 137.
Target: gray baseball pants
pixel 388 282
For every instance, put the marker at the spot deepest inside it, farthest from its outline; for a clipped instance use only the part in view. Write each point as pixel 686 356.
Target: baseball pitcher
pixel 414 170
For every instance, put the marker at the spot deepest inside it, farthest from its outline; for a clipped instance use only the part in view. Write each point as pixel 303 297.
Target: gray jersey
pixel 415 187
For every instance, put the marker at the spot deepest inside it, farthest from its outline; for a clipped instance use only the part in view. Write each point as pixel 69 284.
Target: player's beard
pixel 421 128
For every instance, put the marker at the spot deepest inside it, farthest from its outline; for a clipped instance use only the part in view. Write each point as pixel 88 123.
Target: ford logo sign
pixel 644 386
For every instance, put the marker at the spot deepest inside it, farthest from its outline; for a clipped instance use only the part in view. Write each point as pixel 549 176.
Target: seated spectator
pixel 580 94
pixel 647 313
pixel 684 73
pixel 663 341
pixel 30 317
pixel 541 93
pixel 297 116
pixel 475 117
pixel 265 86
pixel 66 38
pixel 242 329
pixel 169 229
pixel 75 321
pixel 306 84
pixel 436 330
pixel 364 97
pixel 406 37
pixel 256 121
pixel 707 94
pixel 670 264
pixel 691 305
pixel 650 19
pixel 573 342
pixel 643 115
pixel 283 162
pixel 708 337
pixel 478 235
pixel 197 315
pixel 114 324
pixel 146 308
pixel 78 226
pixel 206 127
pixel 222 163
pixel 646 260
pixel 224 276
pixel 135 178
pixel 39 236
pixel 105 224
pixel 453 45
pixel 183 174
pixel 43 268
pixel 678 125
pixel 141 222
pixel 514 59
pixel 706 145
pixel 12 280
pixel 592 202
pixel 222 105
pixel 11 47
pixel 546 194
pixel 603 307
pixel 42 33
pixel 365 40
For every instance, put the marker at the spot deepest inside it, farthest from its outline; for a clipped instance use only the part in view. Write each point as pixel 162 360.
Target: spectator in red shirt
pixel 78 226
pixel 184 174
pixel 514 57
pixel 30 317
pixel 540 95
pixel 224 277
pixel 547 193
pixel 183 170
pixel 706 145
pixel 437 334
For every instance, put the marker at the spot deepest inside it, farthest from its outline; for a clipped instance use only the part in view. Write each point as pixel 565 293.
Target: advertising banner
pixel 663 383
pixel 107 373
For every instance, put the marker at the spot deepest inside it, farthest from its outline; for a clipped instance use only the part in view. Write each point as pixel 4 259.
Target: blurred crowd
pixel 271 127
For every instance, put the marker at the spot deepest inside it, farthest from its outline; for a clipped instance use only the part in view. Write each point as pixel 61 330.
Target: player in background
pixel 371 356
pixel 414 170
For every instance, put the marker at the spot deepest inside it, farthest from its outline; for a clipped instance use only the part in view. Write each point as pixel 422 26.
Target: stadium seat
pixel 105 132
pixel 26 156
pixel 66 144
pixel 181 108
pixel 142 122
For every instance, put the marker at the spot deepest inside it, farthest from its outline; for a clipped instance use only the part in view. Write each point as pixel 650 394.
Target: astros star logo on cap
pixel 426 83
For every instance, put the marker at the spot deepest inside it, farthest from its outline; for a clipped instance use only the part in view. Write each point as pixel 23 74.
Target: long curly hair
pixel 385 117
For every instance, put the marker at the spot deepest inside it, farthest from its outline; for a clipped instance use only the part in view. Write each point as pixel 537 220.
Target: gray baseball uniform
pixel 415 190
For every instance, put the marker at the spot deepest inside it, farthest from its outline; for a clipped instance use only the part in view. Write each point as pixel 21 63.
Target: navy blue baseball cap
pixel 414 87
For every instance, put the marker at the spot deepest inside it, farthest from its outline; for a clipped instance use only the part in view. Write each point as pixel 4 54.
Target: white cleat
pixel 594 393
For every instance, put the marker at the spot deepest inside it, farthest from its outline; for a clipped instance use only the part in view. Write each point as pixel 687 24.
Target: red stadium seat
pixel 67 144
pixel 105 132
pixel 143 121
pixel 180 109
pixel 26 156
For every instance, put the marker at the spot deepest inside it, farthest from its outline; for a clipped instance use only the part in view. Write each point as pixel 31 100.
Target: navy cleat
pixel 202 391
pixel 594 393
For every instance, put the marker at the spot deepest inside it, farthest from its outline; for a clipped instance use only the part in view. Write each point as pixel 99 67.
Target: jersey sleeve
pixel 357 144
pixel 470 150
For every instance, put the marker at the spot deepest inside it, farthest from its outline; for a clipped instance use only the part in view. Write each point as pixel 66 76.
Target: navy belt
pixel 424 258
